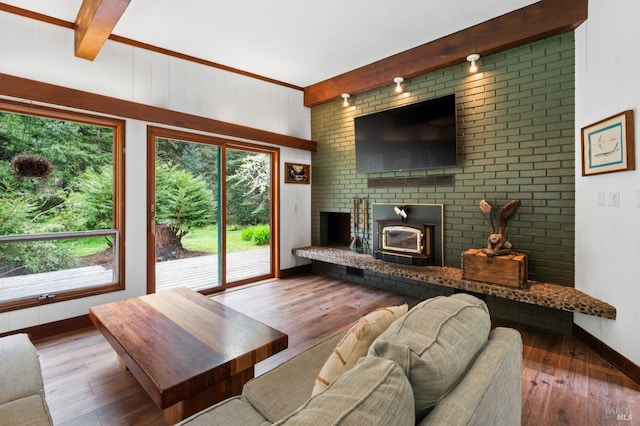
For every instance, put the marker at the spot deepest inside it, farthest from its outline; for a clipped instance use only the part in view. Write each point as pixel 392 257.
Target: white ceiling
pixel 293 41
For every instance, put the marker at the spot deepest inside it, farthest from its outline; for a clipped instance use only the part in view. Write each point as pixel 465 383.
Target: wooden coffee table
pixel 187 351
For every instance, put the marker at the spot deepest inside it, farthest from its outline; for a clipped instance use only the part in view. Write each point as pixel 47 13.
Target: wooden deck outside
pixel 202 272
pixel 194 272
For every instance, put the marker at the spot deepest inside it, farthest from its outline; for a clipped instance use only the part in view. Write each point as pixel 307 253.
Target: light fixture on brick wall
pixel 398 81
pixel 345 99
pixel 473 58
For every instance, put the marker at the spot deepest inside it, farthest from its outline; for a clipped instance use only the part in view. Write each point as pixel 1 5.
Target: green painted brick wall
pixel 515 141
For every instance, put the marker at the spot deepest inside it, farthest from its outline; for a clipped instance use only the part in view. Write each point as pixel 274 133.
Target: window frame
pixel 118 127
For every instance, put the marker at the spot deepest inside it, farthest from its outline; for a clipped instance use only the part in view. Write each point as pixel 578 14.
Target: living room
pixel 604 85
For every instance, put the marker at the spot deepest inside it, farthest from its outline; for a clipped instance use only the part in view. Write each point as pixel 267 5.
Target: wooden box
pixel 509 269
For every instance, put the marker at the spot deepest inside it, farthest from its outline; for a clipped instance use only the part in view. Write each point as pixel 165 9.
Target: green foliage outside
pixel 206 240
pixel 259 234
pixel 16 212
pixel 248 200
pixel 85 246
pixel 89 204
pixel 30 206
pixel 72 148
pixel 183 200
pixel 203 239
pixel 78 195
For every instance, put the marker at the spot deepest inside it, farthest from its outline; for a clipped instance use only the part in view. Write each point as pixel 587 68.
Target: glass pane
pixel 187 197
pixel 34 268
pixel 248 233
pixel 56 176
pixel 402 240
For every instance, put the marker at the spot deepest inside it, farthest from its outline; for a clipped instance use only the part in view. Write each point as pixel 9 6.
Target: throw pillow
pixel 374 392
pixel 355 344
pixel 435 343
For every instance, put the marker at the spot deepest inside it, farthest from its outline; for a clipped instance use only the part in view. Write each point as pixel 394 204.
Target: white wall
pixel 608 238
pixel 295 211
pixel 44 52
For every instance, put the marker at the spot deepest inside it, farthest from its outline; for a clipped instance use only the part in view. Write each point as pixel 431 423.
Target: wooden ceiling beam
pixel 534 22
pixel 94 23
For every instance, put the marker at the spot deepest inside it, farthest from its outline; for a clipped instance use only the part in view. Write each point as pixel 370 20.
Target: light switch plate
pixel 614 199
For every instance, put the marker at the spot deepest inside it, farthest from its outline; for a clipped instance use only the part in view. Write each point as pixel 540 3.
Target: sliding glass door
pixel 248 215
pixel 210 212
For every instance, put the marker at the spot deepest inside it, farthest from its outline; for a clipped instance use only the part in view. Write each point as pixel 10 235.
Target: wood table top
pixel 179 342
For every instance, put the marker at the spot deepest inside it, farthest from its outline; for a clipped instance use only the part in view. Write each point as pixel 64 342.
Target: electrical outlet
pixel 614 199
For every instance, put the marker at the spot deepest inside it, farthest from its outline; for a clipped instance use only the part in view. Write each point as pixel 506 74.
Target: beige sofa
pixel 438 364
pixel 21 389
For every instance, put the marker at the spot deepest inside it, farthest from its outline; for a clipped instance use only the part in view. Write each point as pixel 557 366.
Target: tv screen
pixel 416 136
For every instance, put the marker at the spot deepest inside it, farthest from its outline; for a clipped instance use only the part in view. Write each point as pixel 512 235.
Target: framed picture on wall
pixel 608 145
pixel 297 173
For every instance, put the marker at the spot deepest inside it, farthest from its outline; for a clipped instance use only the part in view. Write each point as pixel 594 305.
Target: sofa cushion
pixel 374 392
pixel 231 411
pixel 355 344
pixel 435 343
pixel 28 411
pixel 490 392
pixel 20 368
pixel 278 392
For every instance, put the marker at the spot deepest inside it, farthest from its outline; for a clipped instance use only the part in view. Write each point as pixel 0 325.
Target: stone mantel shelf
pixel 542 294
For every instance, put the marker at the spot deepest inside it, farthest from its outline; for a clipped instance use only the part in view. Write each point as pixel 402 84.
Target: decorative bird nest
pixel 31 166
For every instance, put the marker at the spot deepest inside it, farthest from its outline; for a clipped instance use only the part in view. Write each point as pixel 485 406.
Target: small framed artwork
pixel 608 145
pixel 297 173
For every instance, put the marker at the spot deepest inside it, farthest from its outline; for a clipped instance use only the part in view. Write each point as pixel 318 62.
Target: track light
pixel 473 58
pixel 398 81
pixel 345 97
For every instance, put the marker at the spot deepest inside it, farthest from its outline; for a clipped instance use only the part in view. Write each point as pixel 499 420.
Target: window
pixel 61 205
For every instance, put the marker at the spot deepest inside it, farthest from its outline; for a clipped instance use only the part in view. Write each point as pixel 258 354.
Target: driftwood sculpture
pixel 496 243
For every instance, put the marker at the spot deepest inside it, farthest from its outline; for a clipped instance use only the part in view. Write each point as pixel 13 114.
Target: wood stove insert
pixel 413 235
pixel 407 243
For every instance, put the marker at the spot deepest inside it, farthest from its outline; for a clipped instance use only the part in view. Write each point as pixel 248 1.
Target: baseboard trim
pixel 296 270
pixel 43 331
pixel 622 363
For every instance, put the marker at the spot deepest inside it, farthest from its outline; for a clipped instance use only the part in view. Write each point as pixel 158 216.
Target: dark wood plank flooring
pixel 564 382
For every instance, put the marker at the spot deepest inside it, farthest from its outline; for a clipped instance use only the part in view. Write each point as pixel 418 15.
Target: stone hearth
pixel 542 294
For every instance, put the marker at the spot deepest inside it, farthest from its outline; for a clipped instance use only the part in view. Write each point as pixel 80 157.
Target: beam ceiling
pixel 94 23
pixel 537 21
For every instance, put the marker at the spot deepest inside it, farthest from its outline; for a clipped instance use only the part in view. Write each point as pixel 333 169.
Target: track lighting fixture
pixel 345 99
pixel 398 81
pixel 473 58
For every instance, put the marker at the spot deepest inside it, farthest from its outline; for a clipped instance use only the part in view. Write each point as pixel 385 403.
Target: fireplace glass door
pixel 402 239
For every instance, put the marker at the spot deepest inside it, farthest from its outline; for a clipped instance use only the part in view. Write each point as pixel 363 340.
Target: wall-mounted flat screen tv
pixel 416 136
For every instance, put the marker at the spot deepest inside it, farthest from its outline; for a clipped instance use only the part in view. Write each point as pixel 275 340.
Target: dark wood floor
pixel 564 382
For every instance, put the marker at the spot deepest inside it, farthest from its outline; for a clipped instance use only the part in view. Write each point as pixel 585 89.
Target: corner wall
pixel 515 141
pixel 608 238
